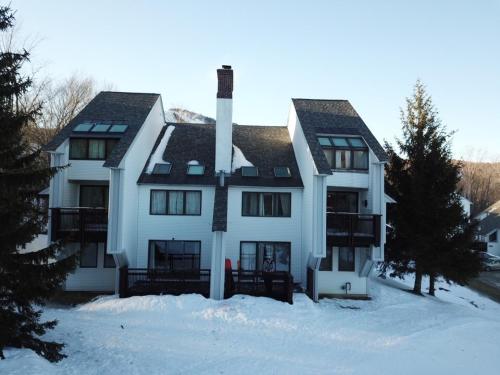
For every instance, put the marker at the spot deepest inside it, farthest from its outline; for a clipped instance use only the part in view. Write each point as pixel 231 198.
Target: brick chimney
pixel 224 121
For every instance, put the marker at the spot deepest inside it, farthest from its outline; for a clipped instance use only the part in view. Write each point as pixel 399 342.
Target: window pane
pixel 324 141
pixel 193 203
pixel 191 255
pixel 282 256
pixel 85 127
pixel 329 156
pixel 281 204
pixel 356 142
pixel 343 201
pixel 326 262
pixel 97 149
pixel 342 159
pixel 360 159
pixel 175 202
pixel 110 145
pixel 88 255
pixel 266 261
pixel 248 256
pixel 158 202
pixel 346 259
pixel 266 204
pixel 78 149
pixel 100 128
pixel 340 142
pixel 250 203
pixel 196 170
pixel 158 255
pixel 118 128
pixel 93 196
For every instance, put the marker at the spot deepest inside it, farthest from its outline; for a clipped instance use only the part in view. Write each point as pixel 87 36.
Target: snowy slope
pixel 395 333
pixel 183 115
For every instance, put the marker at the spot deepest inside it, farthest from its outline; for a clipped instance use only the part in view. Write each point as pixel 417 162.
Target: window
pixel 493 237
pixel 327 262
pixel 162 168
pixel 175 202
pixel 85 127
pixel 249 171
pixel 253 255
pixel 94 196
pixel 100 128
pixel 118 128
pixel 342 201
pixel 266 204
pixel 282 172
pixel 174 255
pixel 196 170
pixel 90 148
pixel 88 255
pixel 350 153
pixel 346 259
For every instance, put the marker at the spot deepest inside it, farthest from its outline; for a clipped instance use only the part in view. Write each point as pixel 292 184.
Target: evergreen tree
pixel 26 279
pixel 432 235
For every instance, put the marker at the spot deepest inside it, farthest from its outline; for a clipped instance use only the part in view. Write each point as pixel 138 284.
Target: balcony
pixel 352 229
pixel 79 224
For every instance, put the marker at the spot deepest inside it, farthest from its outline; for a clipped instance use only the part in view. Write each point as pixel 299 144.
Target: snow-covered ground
pixel 457 332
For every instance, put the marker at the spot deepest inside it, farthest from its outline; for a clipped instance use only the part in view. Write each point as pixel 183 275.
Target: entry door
pixel 94 196
pixel 342 201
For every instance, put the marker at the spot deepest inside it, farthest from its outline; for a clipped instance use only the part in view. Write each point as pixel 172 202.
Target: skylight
pixel 282 172
pixel 162 168
pixel 118 128
pixel 100 128
pixel 85 127
pixel 249 171
pixel 196 170
pixel 342 142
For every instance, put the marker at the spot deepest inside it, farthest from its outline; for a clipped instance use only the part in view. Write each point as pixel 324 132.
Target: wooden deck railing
pixel 351 229
pixel 76 222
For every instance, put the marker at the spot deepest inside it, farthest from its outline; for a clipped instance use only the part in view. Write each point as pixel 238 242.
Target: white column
pixel 217 275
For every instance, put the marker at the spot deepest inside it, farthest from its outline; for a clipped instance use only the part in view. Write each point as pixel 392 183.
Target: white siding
pixel 98 279
pixel 179 227
pixel 346 179
pixel 332 282
pixel 307 169
pixel 132 165
pixel 87 170
pixel 280 229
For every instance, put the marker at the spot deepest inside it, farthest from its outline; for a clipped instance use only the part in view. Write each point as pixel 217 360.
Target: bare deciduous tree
pixel 480 181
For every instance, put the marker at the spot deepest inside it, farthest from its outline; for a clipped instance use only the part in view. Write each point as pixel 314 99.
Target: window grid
pixel 266 204
pixel 171 206
pixel 91 148
pixel 345 153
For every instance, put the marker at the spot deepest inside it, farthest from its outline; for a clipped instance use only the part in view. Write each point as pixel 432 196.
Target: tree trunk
pixel 432 279
pixel 417 287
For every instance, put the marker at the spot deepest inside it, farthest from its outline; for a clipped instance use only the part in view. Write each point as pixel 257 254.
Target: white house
pixel 489 228
pixel 154 206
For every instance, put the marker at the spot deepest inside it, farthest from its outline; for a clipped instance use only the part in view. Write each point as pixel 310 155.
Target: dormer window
pixel 162 168
pixel 345 153
pixel 196 170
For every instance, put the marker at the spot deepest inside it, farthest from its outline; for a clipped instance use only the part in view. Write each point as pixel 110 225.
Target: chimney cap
pixel 226 66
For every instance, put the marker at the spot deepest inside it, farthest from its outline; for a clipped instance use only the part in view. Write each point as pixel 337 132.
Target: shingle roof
pixel 492 220
pixel 332 117
pixel 116 107
pixel 219 222
pixel 265 147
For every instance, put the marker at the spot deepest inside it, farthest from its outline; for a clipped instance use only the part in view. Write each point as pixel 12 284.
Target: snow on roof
pixel 239 160
pixel 193 162
pixel 157 156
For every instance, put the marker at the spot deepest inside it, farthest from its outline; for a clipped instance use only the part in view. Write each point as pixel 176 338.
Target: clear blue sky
pixel 369 52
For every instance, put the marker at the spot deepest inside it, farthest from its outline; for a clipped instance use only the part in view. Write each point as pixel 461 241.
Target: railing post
pixel 123 287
